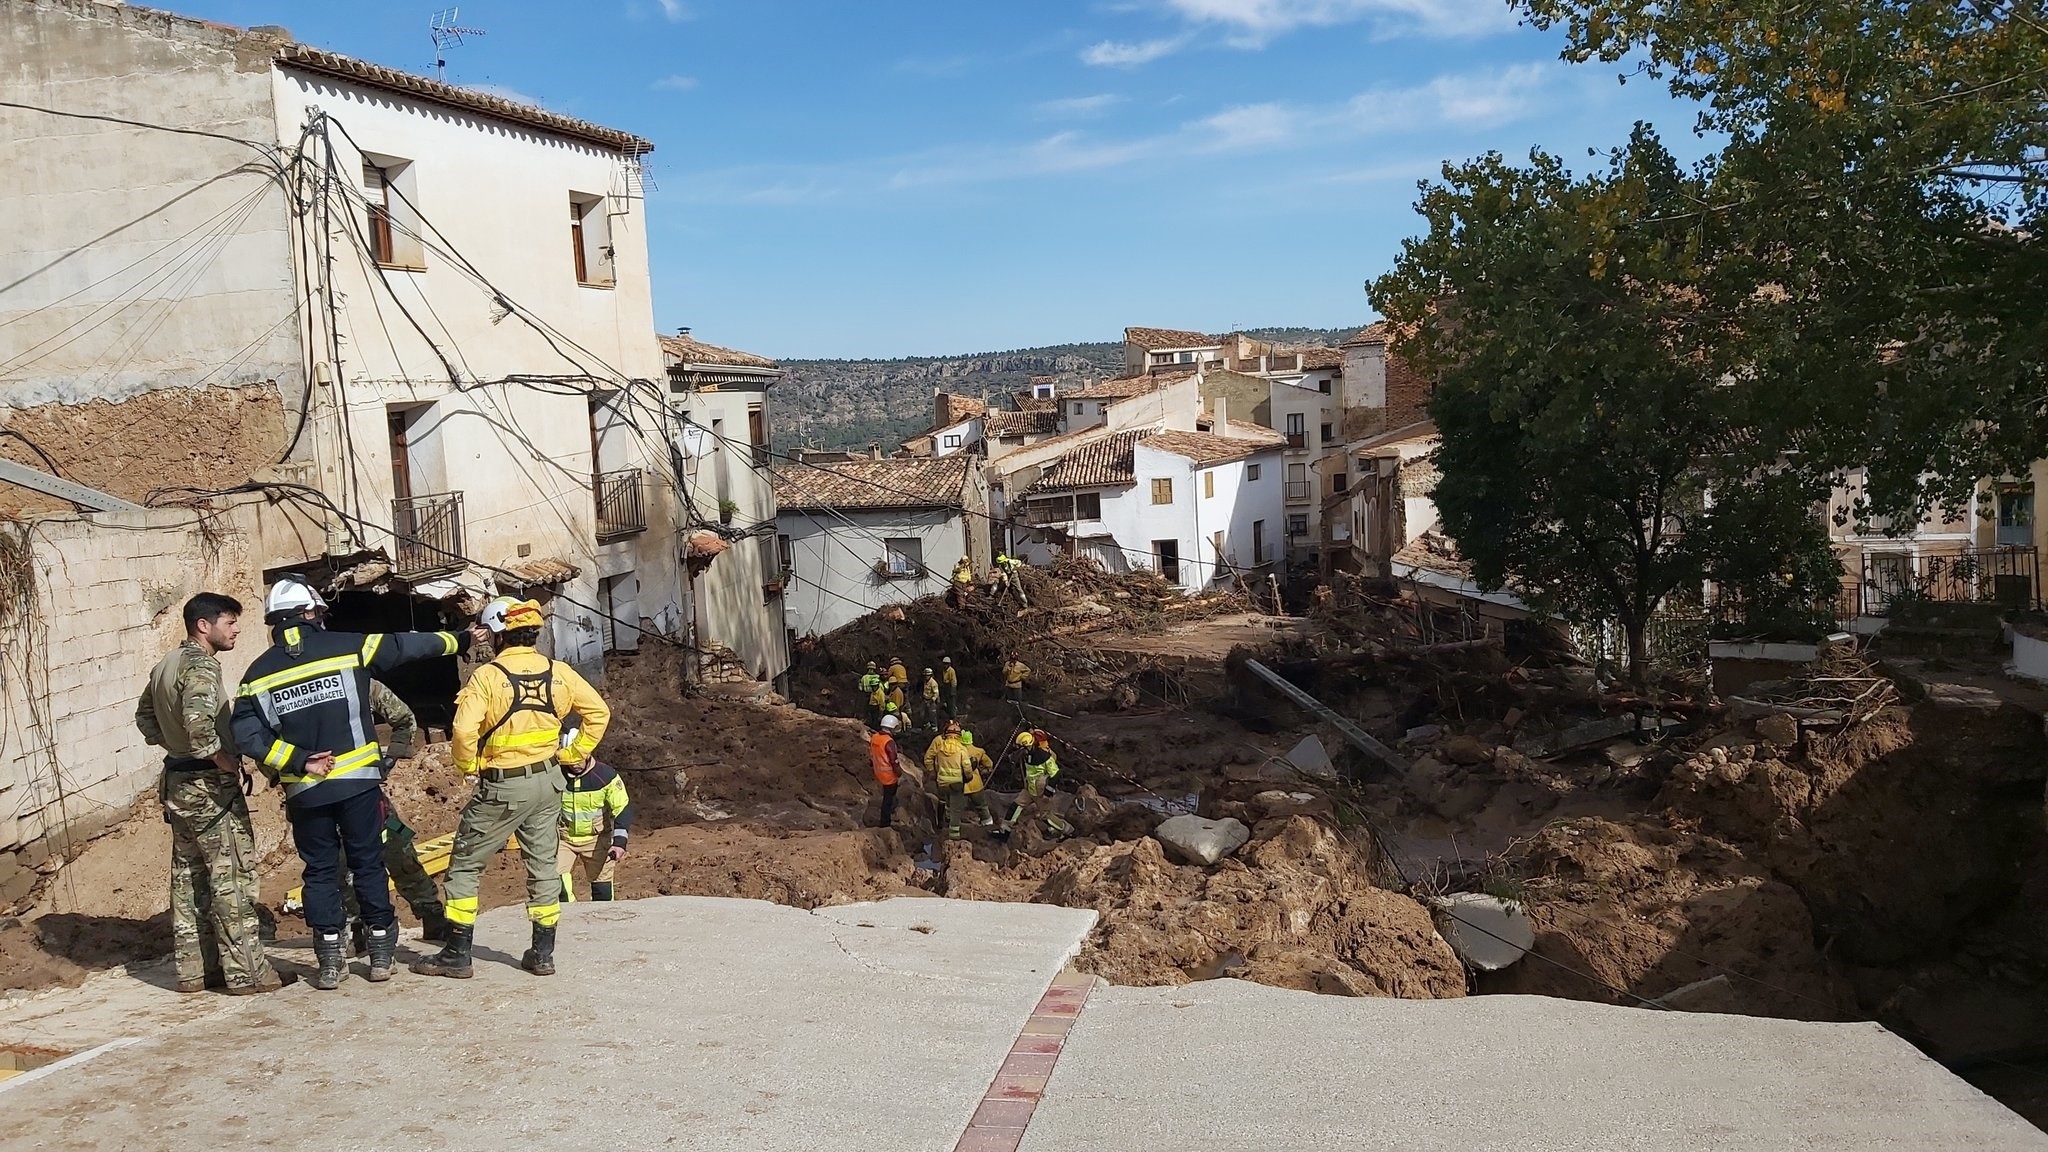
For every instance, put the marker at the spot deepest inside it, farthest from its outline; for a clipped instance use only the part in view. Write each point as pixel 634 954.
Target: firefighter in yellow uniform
pixel 949 684
pixel 596 814
pixel 507 736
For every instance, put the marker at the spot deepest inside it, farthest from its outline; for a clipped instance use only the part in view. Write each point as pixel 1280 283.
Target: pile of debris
pixel 1840 687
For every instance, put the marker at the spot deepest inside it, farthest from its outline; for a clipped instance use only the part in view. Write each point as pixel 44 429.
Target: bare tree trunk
pixel 1638 630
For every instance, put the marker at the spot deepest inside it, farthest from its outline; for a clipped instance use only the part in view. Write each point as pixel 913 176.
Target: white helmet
pixel 891 723
pixel 493 615
pixel 291 594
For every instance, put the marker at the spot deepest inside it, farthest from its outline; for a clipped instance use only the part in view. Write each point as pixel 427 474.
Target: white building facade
pixel 865 534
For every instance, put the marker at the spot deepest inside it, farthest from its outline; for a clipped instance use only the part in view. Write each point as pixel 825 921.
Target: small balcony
pixel 620 510
pixel 1297 440
pixel 427 535
pixel 1297 491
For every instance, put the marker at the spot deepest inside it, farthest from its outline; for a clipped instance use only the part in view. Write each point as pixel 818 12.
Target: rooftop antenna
pixel 447 34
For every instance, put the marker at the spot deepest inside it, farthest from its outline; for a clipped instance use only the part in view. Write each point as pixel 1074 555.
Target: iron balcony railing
pixel 620 512
pixel 1297 491
pixel 428 534
pixel 2002 575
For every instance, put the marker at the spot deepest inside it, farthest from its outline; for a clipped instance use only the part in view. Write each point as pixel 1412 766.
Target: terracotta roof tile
pixel 690 351
pixel 1373 333
pixel 865 484
pixel 1152 338
pixel 1125 387
pixel 1035 423
pixel 1206 449
pixel 542 570
pixel 1322 357
pixel 1101 463
pixel 311 59
pixel 1026 402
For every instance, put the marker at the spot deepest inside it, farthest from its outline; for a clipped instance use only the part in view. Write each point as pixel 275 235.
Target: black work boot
pixel 383 953
pixel 433 923
pixel 330 949
pixel 453 959
pixel 599 892
pixel 540 959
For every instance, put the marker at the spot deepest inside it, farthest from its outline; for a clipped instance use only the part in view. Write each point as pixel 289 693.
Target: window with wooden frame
pixel 1162 490
pixel 590 240
pixel 1208 485
pixel 377 194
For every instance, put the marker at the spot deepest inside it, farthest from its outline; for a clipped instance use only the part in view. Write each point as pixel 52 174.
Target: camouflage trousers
pixel 402 864
pixel 213 879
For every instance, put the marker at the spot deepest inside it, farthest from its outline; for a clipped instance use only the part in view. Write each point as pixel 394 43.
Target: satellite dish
pixel 1487 932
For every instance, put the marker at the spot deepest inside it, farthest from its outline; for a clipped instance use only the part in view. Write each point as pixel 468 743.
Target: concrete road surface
pixel 693 1023
pixel 1228 1064
pixel 681 1022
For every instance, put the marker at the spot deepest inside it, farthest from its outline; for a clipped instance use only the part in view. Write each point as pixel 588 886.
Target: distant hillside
pixel 853 403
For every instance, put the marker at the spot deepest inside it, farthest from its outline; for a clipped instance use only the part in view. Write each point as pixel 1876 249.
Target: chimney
pixel 942 408
pixel 684 332
pixel 874 450
pixel 1219 411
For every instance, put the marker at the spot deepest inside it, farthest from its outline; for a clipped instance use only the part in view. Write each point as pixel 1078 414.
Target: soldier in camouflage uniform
pixel 401 859
pixel 213 849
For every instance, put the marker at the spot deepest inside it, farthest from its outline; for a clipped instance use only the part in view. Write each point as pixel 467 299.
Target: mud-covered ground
pixel 1889 870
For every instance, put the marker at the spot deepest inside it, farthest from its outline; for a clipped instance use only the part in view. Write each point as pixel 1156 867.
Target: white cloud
pixel 675 83
pixel 1253 23
pixel 1117 54
pixel 1425 114
pixel 1076 107
pixel 1250 126
pixel 675 11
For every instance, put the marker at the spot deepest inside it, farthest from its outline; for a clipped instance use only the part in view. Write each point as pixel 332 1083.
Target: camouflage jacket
pixel 181 709
pixel 387 708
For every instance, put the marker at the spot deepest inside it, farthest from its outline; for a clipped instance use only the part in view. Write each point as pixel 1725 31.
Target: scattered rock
pixel 1200 841
pixel 1963 696
pixel 1424 732
pixel 1779 730
pixel 1466 750
pixel 1623 755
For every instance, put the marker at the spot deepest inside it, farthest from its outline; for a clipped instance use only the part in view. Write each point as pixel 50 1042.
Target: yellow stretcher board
pixel 433 854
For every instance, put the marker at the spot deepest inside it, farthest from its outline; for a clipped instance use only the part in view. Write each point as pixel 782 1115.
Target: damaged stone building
pixel 264 308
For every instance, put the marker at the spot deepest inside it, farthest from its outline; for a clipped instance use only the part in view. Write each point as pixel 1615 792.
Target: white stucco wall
pixel 834 581
pixel 135 258
pixel 497 194
pixel 731 607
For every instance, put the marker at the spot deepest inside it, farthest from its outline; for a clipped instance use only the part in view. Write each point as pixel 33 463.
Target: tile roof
pixel 1153 338
pixel 311 59
pixel 869 484
pixel 690 351
pixel 1205 448
pixel 1373 333
pixel 1322 357
pixel 1106 462
pixel 1125 387
pixel 542 570
pixel 1026 402
pixel 1043 421
pixel 1414 433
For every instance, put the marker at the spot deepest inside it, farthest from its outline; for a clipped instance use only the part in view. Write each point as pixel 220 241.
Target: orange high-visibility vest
pixel 882 757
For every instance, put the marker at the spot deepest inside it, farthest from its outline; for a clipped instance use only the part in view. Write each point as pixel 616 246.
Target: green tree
pixel 1881 187
pixel 1587 404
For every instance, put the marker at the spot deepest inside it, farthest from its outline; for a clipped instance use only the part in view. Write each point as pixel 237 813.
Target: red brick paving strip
pixel 1006 1108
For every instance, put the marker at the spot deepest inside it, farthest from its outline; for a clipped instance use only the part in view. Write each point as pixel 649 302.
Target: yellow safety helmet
pixel 1025 740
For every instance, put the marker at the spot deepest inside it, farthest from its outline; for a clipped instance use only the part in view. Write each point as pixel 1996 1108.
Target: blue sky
pixel 890 177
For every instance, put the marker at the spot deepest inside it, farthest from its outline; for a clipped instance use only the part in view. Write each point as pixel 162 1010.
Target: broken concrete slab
pixel 699 1023
pixel 1199 841
pixel 1228 1064
pixel 1312 758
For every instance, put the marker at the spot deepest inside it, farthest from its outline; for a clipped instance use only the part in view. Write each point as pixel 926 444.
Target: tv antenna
pixel 447 34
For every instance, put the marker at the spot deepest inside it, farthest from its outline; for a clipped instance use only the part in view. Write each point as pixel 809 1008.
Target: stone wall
pixel 87 606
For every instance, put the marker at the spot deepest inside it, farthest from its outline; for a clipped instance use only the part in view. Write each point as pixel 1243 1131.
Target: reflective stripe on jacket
pixel 310 693
pixel 948 761
pixel 588 797
pixel 529 733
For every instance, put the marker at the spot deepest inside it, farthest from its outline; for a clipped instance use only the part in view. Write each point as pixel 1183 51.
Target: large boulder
pixel 1200 841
